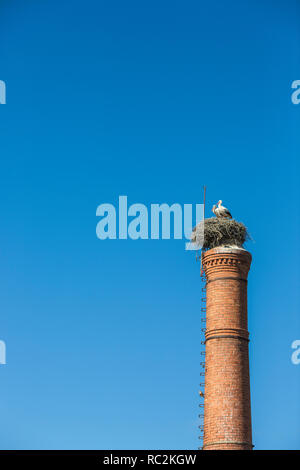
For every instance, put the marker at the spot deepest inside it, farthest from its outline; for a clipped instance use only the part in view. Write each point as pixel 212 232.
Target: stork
pixel 222 212
pixel 215 210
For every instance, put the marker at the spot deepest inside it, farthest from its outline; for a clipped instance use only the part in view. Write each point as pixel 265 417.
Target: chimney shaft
pixel 227 411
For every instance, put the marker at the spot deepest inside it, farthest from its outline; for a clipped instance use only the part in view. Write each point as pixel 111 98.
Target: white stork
pixel 222 212
pixel 215 210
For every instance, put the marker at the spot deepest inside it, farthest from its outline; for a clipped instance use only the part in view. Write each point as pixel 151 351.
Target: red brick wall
pixel 227 413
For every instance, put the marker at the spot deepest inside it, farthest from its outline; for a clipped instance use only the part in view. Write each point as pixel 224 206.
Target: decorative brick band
pixel 222 279
pixel 243 444
pixel 227 333
pixel 220 262
pixel 227 336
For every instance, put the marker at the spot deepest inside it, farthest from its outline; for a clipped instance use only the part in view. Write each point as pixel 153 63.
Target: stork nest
pixel 219 232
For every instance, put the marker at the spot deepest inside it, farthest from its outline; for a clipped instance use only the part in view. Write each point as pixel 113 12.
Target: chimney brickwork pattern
pixel 227 410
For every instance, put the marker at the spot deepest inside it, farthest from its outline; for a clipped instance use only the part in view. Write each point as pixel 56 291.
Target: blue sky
pixel 151 100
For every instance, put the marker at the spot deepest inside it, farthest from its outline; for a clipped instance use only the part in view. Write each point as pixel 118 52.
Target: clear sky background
pixel 151 100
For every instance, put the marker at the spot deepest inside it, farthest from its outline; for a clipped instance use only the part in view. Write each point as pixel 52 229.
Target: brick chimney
pixel 227 411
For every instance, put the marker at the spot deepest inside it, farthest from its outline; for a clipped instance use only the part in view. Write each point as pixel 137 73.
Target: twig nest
pixel 219 232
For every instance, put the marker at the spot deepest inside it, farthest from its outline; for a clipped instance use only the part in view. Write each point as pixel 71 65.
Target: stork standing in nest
pixel 221 212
